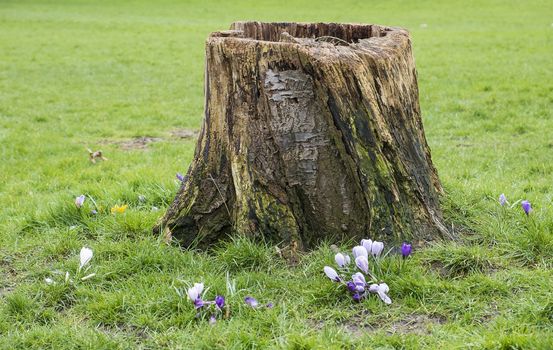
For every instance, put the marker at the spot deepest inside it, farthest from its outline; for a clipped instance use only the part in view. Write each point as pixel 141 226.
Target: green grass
pixel 93 74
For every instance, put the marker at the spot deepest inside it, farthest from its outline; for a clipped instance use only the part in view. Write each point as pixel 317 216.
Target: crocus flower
pixel 526 206
pixel 48 280
pixel 85 256
pixel 362 263
pixel 220 301
pixel 356 297
pixel 406 250
pixel 212 320
pixel 381 289
pixel 180 177
pixel 502 199
pixel 93 212
pixel 367 243
pixel 251 301
pixel 269 305
pixel 341 259
pixel 358 278
pixel 195 292
pixel 79 201
pixel 360 251
pixel 351 286
pixel 331 273
pixel 377 248
pixel 198 303
pixel 118 209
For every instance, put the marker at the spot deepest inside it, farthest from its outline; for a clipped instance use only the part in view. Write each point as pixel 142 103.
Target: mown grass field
pixel 99 74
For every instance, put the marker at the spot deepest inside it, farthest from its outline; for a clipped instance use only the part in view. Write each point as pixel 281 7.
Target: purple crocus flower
pixel 269 305
pixel 526 206
pixel 502 199
pixel 220 301
pixel 198 303
pixel 93 212
pixel 251 301
pixel 356 297
pixel 406 250
pixel 351 286
pixel 180 177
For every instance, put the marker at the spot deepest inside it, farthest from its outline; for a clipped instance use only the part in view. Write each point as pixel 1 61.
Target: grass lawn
pixel 97 74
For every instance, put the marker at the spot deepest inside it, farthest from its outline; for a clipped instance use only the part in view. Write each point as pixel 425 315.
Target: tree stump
pixel 312 131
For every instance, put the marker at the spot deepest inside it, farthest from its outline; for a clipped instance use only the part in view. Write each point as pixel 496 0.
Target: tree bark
pixel 311 132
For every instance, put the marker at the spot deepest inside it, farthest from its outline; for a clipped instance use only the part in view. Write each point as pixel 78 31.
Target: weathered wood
pixel 311 131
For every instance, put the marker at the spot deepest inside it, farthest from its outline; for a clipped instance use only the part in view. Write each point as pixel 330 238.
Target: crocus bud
pixel 360 251
pixel 331 273
pixel 358 278
pixel 351 286
pixel 220 301
pixel 367 243
pixel 195 292
pixel 340 260
pixel 356 297
pixel 362 263
pixel 526 206
pixel 79 201
pixel 180 177
pixel 377 248
pixel 406 250
pixel 251 301
pixel 502 199
pixel 212 320
pixel 85 256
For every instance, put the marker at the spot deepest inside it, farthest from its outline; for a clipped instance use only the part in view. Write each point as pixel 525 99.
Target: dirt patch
pixel 184 133
pixel 410 324
pixel 139 142
pixel 415 324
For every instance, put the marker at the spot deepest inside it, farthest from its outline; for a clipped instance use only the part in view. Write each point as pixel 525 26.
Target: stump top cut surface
pixel 372 37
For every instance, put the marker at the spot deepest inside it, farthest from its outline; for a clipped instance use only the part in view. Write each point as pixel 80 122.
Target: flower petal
pixel 331 273
pixel 85 256
pixel 360 251
pixel 362 263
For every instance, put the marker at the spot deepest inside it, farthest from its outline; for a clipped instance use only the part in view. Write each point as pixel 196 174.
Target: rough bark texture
pixel 311 131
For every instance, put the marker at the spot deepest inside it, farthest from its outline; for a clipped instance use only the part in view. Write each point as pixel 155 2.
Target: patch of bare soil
pixel 184 133
pixel 140 142
pixel 411 324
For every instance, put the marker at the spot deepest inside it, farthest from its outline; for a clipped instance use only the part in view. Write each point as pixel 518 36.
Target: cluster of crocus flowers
pixel 358 287
pixel 525 204
pixel 195 294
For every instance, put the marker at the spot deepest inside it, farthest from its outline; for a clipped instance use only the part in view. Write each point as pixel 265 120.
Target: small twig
pixel 221 194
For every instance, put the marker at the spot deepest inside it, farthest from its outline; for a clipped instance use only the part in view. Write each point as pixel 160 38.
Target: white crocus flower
pixel 48 280
pixel 196 291
pixel 382 290
pixel 85 256
pixel 377 248
pixel 331 273
pixel 360 251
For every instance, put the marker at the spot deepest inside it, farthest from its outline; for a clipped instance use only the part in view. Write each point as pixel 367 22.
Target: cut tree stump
pixel 312 131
